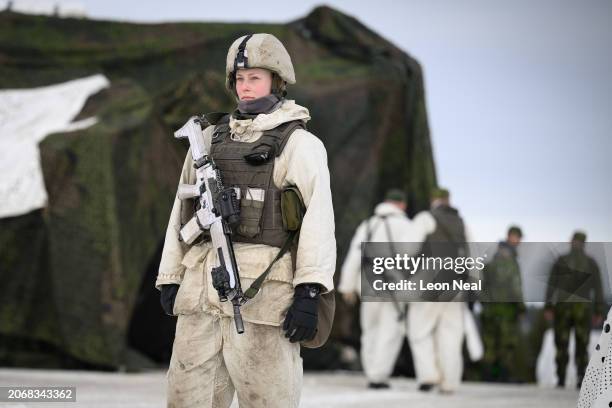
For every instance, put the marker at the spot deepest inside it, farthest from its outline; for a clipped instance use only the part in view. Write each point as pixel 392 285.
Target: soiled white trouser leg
pixel 197 376
pixel 210 361
pixel 381 339
pixel 449 341
pixel 422 321
pixel 436 339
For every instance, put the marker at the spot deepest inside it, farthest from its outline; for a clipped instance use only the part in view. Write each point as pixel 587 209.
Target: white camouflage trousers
pixel 211 361
pixel 436 338
pixel 382 336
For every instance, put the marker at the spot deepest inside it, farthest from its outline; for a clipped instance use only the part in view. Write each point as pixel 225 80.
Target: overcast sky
pixel 519 95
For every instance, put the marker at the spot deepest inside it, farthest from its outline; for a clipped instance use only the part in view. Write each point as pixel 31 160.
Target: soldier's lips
pixel 247 98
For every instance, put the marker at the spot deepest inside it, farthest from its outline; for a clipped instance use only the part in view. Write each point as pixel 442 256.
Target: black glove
pixel 168 294
pixel 301 320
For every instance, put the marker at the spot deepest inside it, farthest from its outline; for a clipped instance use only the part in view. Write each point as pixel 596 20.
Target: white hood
pixel 387 209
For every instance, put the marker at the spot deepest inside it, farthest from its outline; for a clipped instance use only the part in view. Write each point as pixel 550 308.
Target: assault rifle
pixel 218 212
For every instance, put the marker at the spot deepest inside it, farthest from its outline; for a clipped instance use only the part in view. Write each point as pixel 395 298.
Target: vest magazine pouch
pixel 261 154
pixel 251 211
pixel 292 208
pixel 250 167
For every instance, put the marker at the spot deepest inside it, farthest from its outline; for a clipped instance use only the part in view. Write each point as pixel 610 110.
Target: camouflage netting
pixel 77 277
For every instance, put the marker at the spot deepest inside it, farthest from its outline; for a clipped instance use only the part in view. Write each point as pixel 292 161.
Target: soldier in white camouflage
pixel 261 148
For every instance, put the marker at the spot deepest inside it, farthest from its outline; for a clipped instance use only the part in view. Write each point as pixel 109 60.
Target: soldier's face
pixel 514 239
pixel 253 83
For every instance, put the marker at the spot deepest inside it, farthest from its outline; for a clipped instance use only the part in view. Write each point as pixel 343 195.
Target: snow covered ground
pixel 321 390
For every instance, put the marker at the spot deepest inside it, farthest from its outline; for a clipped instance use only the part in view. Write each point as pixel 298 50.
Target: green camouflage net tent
pixel 77 276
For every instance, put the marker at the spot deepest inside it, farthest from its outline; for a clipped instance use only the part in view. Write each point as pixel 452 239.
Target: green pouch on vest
pixel 251 211
pixel 292 208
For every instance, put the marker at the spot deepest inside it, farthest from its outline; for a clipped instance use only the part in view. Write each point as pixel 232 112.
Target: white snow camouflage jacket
pixel 302 163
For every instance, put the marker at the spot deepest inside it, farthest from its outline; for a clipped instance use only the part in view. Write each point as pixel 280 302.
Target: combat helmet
pixel 258 51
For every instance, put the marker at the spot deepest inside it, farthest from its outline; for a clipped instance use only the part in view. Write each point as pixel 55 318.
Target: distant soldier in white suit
pixel 383 324
pixel 436 329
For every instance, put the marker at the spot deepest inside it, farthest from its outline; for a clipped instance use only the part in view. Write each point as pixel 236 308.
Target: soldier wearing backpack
pixel 436 328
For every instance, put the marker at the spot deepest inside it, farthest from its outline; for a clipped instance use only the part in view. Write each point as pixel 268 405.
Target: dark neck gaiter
pixel 265 104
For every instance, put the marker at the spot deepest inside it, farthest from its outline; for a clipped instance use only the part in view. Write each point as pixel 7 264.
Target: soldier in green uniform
pixel 573 296
pixel 500 321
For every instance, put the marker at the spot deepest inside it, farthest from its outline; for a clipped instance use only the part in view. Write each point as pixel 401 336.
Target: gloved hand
pixel 168 294
pixel 301 320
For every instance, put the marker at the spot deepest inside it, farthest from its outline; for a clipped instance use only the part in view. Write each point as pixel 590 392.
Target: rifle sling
pixel 256 285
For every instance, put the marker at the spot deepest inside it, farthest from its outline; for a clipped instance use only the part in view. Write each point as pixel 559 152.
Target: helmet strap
pixel 242 56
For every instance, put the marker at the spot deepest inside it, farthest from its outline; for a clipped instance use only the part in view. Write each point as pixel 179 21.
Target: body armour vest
pixel 448 239
pixel 250 167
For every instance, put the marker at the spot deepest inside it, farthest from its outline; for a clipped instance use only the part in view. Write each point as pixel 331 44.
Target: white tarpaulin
pixel 27 116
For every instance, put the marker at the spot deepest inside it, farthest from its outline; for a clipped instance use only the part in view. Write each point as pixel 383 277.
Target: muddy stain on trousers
pixel 261 366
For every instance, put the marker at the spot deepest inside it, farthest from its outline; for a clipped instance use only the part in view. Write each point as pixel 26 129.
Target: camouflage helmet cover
pixel 579 236
pixel 440 193
pixel 395 194
pixel 258 51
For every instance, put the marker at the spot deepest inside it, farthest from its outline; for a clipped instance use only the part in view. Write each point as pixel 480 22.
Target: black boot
pixel 579 379
pixel 378 385
pixel 561 382
pixel 426 387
